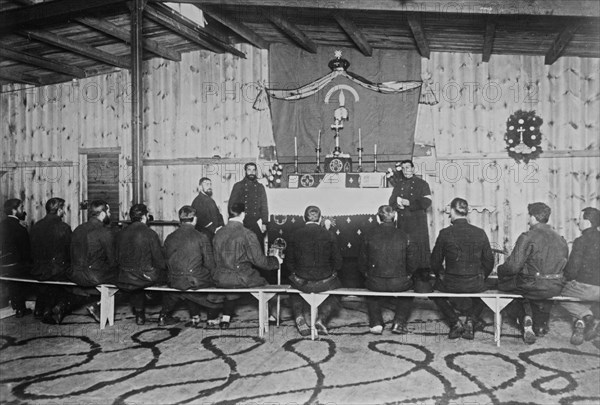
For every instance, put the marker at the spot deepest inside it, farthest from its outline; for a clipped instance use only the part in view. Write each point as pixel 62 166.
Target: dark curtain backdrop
pixel 387 120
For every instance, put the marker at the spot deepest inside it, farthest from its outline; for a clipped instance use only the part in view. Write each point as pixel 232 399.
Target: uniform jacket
pixel 462 258
pixel 93 258
pixel 312 253
pixel 387 259
pixel 190 258
pixel 15 249
pixel 209 216
pixel 584 261
pixel 51 245
pixel 253 195
pixel 238 254
pixel 140 257
pixel 537 263
pixel 413 219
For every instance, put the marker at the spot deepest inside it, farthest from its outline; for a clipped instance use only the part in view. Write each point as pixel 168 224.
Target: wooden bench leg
pixel 263 312
pixel 107 305
pixel 314 300
pixel 497 304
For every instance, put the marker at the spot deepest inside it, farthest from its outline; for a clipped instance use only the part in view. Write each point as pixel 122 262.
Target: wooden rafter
pixel 189 31
pixel 355 34
pixel 488 40
pixel 41 62
pixel 123 34
pixel 562 40
pixel 15 76
pixel 237 27
pixel 416 27
pixel 50 12
pixel 581 8
pixel 293 32
pixel 76 47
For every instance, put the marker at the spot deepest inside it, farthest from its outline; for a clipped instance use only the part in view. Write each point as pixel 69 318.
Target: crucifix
pixel 337 125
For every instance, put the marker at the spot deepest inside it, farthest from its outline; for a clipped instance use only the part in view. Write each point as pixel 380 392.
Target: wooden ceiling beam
pixel 15 76
pixel 293 32
pixel 488 39
pixel 41 62
pixel 188 31
pixel 579 8
pixel 50 12
pixel 416 27
pixel 561 41
pixel 355 34
pixel 115 31
pixel 237 27
pixel 78 48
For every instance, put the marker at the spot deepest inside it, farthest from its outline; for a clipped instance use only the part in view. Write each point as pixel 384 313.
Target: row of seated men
pixel 539 266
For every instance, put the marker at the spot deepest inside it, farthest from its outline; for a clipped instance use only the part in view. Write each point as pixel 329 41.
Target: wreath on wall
pixel 523 136
pixel 275 174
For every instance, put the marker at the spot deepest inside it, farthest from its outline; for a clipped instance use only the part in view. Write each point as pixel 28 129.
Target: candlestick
pixel 359 139
pixel 360 151
pixel 318 150
pixel 295 155
pixel 375 155
pixel 319 140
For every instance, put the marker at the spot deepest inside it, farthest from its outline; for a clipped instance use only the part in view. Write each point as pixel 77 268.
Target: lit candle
pixel 375 150
pixel 359 140
pixel 319 140
pixel 295 146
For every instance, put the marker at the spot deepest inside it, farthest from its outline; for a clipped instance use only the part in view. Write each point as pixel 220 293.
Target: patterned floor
pixel 76 363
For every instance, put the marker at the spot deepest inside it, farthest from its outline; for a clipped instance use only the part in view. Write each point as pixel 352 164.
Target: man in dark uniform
pixel 388 261
pixel 314 260
pixel 93 258
pixel 583 275
pixel 238 257
pixel 252 194
pixel 411 198
pixel 535 270
pixel 51 242
pixel 209 218
pixel 141 262
pixel 466 252
pixel 15 252
pixel 190 260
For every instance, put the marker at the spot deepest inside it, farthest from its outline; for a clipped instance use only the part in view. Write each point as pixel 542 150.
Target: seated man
pixel 51 242
pixel 583 275
pixel 190 260
pixel 15 253
pixel 466 252
pixel 388 261
pixel 141 262
pixel 313 259
pixel 535 270
pixel 238 256
pixel 93 258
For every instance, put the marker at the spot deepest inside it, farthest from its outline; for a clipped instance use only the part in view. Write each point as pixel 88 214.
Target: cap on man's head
pixel 11 204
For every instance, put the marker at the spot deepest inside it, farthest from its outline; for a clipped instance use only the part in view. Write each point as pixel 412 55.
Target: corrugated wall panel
pixel 476 99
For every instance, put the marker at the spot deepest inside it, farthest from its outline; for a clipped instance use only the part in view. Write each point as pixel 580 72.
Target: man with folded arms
pixel 534 269
pixel 462 259
pixel 313 259
pixel 209 218
pixel 583 275
pixel 388 261
pixel 190 260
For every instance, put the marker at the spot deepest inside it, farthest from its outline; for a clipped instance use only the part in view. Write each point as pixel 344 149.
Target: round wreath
pixel 523 136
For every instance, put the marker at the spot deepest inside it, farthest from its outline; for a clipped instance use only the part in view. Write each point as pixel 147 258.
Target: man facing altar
pixel 411 198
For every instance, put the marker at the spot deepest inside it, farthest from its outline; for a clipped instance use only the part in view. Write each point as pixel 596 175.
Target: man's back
pixel 93 259
pixel 51 244
pixel 583 264
pixel 312 253
pixel 138 248
pixel 14 240
pixel 189 257
pixel 384 253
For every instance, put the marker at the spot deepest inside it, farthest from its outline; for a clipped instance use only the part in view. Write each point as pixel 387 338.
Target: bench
pixel 107 297
pixel 495 300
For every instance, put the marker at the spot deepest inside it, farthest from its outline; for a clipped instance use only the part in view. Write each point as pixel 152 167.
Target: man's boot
pixel 577 336
pixel 589 332
pixel 456 330
pixel 528 334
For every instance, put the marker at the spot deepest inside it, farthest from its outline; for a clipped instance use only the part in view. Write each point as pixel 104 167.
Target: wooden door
pixel 103 180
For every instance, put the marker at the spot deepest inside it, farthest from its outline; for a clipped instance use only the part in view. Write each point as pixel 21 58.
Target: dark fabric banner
pixel 387 120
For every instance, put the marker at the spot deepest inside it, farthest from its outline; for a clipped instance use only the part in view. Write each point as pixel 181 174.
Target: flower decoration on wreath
pixel 275 174
pixel 523 136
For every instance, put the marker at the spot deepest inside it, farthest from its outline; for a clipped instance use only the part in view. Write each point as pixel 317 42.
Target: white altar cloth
pixel 332 202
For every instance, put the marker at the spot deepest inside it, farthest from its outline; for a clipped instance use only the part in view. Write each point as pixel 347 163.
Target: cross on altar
pixel 337 126
pixel 520 131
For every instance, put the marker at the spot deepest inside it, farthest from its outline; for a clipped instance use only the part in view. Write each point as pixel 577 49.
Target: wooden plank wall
pixel 467 129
